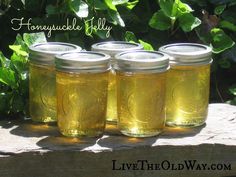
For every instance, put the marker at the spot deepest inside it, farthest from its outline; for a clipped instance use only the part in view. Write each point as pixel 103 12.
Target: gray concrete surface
pixel 31 150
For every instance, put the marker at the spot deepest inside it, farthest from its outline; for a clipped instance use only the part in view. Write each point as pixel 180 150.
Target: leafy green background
pixel 152 23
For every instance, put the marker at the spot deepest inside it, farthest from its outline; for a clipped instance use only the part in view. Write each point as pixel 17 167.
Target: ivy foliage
pixel 152 23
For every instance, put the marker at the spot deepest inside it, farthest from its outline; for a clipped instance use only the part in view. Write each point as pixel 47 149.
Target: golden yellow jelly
pixel 141 86
pixel 82 100
pixel 188 83
pixel 81 84
pixel 42 93
pixel 42 79
pixel 187 95
pixel 111 114
pixel 141 103
pixel 112 48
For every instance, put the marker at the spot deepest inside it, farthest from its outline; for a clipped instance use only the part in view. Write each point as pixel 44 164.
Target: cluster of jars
pixel 119 83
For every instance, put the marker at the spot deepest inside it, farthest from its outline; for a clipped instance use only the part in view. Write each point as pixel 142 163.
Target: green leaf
pixel 230 54
pixel 33 6
pixel 227 25
pixel 18 50
pixel 130 37
pixel 188 22
pixel 80 8
pixel 119 2
pixel 100 5
pixel 168 7
pixel 4 100
pixel 131 5
pixel 4 62
pixel 17 104
pixel 7 77
pixel 19 41
pixel 224 63
pixel 20 63
pixel 101 34
pixel 220 9
pixel 233 101
pixel 182 8
pixel 51 10
pixel 232 89
pixel 174 8
pixel 110 5
pixel 220 41
pixel 160 21
pixel 34 38
pixel 146 45
pixel 229 14
pixel 115 16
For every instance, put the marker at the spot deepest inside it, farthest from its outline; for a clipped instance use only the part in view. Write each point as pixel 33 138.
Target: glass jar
pixel 188 84
pixel 42 81
pixel 112 48
pixel 141 85
pixel 81 82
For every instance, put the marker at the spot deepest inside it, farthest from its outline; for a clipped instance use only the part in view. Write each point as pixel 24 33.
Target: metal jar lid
pixel 114 47
pixel 84 61
pixel 134 61
pixel 188 53
pixel 44 53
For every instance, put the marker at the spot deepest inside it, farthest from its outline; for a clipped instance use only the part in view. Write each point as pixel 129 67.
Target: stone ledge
pixel 39 150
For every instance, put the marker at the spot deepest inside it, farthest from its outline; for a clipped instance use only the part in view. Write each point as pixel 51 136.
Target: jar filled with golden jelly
pixel 188 84
pixel 141 86
pixel 112 48
pixel 81 83
pixel 42 81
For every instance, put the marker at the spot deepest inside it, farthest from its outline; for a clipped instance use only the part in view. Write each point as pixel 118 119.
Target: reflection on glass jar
pixel 187 103
pixel 188 82
pixel 82 82
pixel 141 84
pixel 81 103
pixel 112 48
pixel 42 79
pixel 42 93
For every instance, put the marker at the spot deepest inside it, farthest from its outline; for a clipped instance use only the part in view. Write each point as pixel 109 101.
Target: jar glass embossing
pixel 112 48
pixel 141 84
pixel 188 82
pixel 81 83
pixel 42 79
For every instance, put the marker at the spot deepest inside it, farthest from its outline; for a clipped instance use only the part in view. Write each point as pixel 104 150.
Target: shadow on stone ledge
pixel 30 129
pixel 65 143
pixel 114 139
pixel 178 132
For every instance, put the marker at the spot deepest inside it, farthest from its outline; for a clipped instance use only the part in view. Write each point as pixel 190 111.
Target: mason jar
pixel 141 86
pixel 188 84
pixel 81 83
pixel 42 81
pixel 112 48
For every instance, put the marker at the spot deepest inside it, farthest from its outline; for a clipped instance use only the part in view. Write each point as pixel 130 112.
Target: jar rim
pixel 44 53
pixel 141 60
pixel 187 53
pixel 85 60
pixel 117 46
pixel 37 47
